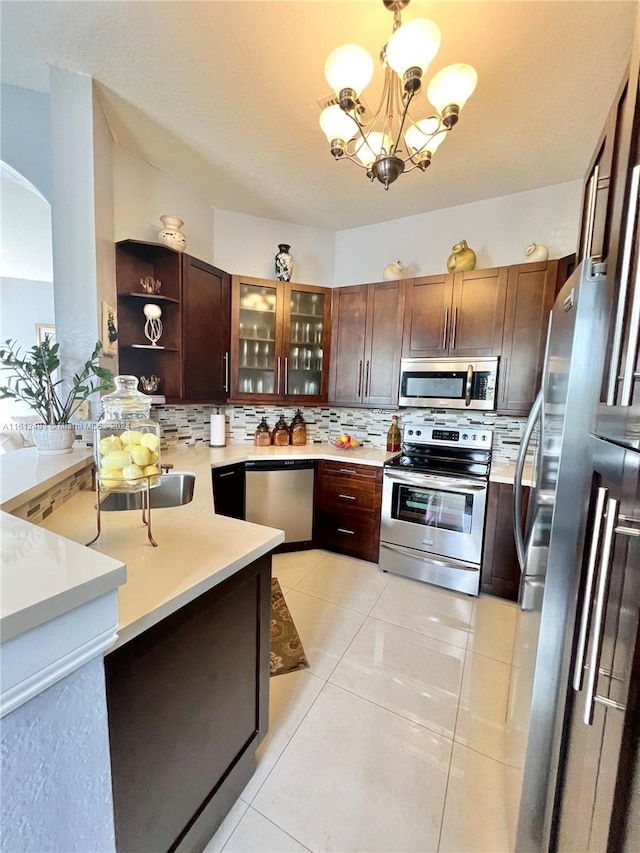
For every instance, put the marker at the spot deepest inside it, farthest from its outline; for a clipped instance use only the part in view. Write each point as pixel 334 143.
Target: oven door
pixel 438 515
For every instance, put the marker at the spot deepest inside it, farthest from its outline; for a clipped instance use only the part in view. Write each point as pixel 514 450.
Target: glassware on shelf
pixel 295 358
pixel 306 332
pixel 317 335
pixel 314 303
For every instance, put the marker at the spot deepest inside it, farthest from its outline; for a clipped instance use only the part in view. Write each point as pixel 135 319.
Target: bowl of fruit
pixel 345 442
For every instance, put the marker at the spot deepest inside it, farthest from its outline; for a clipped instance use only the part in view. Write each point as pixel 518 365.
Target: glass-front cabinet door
pixel 307 343
pixel 280 341
pixel 258 367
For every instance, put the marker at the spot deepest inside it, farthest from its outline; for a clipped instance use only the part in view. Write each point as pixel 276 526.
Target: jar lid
pixel 126 398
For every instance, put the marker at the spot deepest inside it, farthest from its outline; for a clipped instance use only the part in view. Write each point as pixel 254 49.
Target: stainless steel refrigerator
pixel 551 545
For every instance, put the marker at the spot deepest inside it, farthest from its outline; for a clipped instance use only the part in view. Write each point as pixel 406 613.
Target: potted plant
pixel 31 379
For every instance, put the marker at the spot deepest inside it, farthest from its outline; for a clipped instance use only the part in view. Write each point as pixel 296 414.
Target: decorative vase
pixel 171 235
pixel 284 263
pixel 536 252
pixel 394 271
pixel 53 439
pixel 462 258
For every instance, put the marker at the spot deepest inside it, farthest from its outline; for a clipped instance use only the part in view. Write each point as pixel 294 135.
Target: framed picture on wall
pixel 44 329
pixel 109 335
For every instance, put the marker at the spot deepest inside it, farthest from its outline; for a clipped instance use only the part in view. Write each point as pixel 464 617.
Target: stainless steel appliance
pixel 433 506
pixel 550 549
pixel 279 493
pixel 450 383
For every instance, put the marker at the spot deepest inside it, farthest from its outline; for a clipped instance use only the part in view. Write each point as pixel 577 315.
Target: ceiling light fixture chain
pixel 392 142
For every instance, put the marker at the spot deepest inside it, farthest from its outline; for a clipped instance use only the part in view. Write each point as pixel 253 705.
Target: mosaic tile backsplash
pixel 186 425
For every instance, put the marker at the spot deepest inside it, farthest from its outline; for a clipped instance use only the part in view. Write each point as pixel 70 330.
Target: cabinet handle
pixel 347 497
pixel 591 213
pixel 348 471
pixel 286 374
pixel 225 361
pixel 344 530
pixel 359 378
pixel 366 380
pixel 505 373
pixel 625 269
pixel 227 474
pixel 445 329
pixel 278 378
pixel 578 670
pixel 598 612
pixel 454 329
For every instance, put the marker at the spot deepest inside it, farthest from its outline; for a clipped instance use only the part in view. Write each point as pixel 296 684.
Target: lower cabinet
pixel 348 501
pixel 188 703
pixel 500 574
pixel 229 490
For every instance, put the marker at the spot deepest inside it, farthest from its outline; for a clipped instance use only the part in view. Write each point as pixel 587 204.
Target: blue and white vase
pixel 284 263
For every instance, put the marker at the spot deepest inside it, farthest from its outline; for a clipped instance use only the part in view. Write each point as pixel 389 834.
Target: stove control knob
pixel 418 432
pixel 410 432
pixel 474 437
pixel 464 436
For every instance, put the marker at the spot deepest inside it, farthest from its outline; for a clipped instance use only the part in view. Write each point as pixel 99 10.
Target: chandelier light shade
pixel 392 141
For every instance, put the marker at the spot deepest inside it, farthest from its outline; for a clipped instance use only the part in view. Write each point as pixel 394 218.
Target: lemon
pixel 152 471
pixel 110 478
pixel 153 457
pixel 131 436
pixel 117 459
pixel 132 473
pixel 151 441
pixel 109 443
pixel 140 455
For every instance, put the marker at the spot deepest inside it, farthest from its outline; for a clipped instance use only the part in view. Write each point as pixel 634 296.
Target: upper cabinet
pixel 137 262
pixel 280 335
pixel 457 314
pixel 531 292
pixel 366 343
pixel 206 331
pixel 191 358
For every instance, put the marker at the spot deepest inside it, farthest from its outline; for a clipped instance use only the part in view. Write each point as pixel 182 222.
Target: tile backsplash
pixel 189 424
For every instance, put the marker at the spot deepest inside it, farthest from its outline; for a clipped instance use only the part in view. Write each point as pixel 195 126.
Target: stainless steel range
pixel 434 499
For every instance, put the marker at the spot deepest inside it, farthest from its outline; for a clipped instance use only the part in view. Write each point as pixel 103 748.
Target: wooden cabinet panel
pixel 349 311
pixel 383 345
pixel 206 298
pixel 478 312
pixel 500 573
pixel 428 307
pixel 348 501
pixel 530 296
pixel 229 490
pixel 187 700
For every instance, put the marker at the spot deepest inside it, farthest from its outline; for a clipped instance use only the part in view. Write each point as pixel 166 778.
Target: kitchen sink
pixel 175 489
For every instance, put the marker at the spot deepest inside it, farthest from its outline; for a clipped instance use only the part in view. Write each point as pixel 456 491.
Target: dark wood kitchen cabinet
pixel 229 490
pixel 366 343
pixel 206 331
pixel 531 292
pixel 192 355
pixel 348 499
pixel 457 314
pixel 188 703
pixel 500 574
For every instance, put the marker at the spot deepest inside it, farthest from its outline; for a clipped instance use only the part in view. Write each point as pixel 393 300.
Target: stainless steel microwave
pixel 449 383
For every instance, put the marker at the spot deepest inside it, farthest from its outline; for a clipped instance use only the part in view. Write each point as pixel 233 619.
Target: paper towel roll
pixel 217 431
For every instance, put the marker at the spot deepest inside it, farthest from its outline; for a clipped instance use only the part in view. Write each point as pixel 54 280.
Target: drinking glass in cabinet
pixel 314 303
pixel 317 333
pixel 306 332
pixel 295 358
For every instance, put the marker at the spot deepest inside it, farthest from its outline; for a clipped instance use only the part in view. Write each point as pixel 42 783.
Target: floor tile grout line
pixel 326 601
pixel 339 661
pixel 273 823
pixel 430 636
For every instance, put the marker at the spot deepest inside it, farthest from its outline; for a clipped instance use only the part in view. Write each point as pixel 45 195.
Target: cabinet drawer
pixel 357 535
pixel 370 473
pixel 343 495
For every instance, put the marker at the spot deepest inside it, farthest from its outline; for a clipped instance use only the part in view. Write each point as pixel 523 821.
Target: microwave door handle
pixel 467 393
pixel 535 414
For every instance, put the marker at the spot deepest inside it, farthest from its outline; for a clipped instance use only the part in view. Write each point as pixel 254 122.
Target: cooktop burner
pixel 460 452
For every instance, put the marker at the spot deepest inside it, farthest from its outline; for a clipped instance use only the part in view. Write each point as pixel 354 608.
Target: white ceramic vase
pixel 53 439
pixel 171 235
pixel 394 271
pixel 536 253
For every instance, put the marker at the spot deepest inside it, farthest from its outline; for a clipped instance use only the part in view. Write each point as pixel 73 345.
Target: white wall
pixel 25 134
pixel 142 194
pixel 25 230
pixel 497 229
pixel 247 245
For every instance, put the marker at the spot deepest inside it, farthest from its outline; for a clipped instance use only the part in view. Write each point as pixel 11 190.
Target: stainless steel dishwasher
pixel 280 494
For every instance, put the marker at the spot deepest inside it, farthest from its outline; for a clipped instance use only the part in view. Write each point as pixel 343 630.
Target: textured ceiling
pixel 222 95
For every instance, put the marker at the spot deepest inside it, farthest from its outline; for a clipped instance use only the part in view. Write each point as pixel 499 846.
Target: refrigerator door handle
pixel 535 413
pixel 578 671
pixel 599 609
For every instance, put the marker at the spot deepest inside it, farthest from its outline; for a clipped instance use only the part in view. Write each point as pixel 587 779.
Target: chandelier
pixel 391 142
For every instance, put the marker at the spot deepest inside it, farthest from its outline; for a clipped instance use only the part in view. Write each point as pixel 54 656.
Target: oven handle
pixel 428 480
pixel 467 393
pixel 447 564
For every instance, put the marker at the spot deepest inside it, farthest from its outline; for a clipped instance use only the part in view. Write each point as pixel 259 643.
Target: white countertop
pixel 504 472
pixel 220 456
pixel 26 473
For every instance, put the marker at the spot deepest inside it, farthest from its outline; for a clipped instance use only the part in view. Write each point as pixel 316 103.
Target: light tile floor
pixel 393 740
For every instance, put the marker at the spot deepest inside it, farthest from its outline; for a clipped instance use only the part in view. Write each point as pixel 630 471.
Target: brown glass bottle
pixel 280 435
pixel 393 436
pixel 298 429
pixel 262 436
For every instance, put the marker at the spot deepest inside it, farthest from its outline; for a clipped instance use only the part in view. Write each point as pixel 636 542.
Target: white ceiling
pixel 222 95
